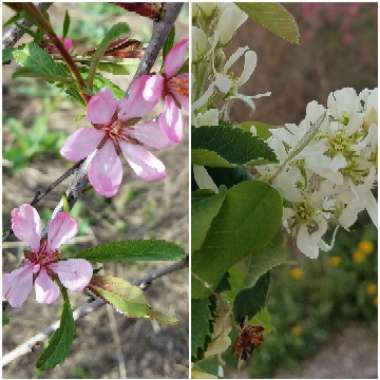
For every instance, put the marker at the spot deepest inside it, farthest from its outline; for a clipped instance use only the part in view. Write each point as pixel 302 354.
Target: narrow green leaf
pixel 116 31
pixel 36 62
pixel 274 17
pixel 247 221
pixel 169 42
pixel 225 146
pixel 132 251
pixel 66 24
pixel 118 68
pixel 200 326
pixel 250 300
pixel 61 341
pixel 125 297
pixel 205 205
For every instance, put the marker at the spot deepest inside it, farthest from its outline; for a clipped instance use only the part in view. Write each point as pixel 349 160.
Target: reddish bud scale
pixel 149 10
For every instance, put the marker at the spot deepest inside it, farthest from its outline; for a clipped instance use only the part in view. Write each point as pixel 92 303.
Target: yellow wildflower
pixel 366 246
pixel 335 261
pixel 296 273
pixel 371 289
pixel 297 330
pixel 358 257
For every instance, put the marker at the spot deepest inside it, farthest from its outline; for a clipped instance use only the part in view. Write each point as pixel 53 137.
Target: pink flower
pixel 42 264
pixel 117 132
pixel 174 91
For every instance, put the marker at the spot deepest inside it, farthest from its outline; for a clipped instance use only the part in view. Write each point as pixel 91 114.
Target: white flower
pixel 208 118
pixel 203 179
pixel 230 20
pixel 227 84
pixel 199 44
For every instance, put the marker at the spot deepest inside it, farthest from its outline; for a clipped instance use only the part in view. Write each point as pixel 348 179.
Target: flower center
pixel 43 256
pixel 179 86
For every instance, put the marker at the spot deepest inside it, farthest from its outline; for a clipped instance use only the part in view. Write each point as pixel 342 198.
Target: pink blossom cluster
pixel 42 266
pixel 119 130
pixel 345 15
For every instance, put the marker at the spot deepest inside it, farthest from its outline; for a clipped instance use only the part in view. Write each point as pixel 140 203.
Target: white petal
pixel 203 179
pixel 250 62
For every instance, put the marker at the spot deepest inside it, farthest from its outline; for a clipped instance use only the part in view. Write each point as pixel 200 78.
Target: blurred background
pixel 325 310
pixel 36 121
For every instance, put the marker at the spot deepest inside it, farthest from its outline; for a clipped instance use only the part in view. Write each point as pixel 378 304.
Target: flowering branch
pixel 14 34
pixel 88 308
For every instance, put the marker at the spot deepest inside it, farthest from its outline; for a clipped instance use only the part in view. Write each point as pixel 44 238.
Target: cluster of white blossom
pixel 215 86
pixel 327 167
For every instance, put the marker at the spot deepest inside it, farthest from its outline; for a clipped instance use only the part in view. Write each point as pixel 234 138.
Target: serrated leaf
pixel 200 325
pixel 274 17
pixel 118 68
pixel 262 318
pixel 100 81
pixel 132 251
pixel 61 341
pixel 125 297
pixel 36 62
pixel 66 24
pixel 247 221
pixel 169 42
pixel 116 31
pixel 205 205
pixel 225 146
pixel 250 300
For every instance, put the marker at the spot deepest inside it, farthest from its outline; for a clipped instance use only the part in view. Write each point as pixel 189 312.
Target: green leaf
pixel 5 319
pixel 118 68
pixel 200 326
pixel 247 221
pixel 205 205
pixel 100 81
pixel 125 297
pixel 162 318
pixel 116 31
pixel 132 251
pixel 262 318
pixel 274 17
pixel 169 42
pixel 36 62
pixel 66 24
pixel 225 146
pixel 60 342
pixel 262 129
pixel 7 54
pixel 250 300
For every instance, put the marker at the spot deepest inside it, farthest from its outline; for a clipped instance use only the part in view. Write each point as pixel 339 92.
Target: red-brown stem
pixel 45 24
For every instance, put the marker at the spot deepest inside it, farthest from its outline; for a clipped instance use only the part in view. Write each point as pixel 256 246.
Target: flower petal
pixel 151 134
pixel 62 228
pixel 18 284
pixel 176 57
pixel 171 121
pixel 75 274
pixel 145 93
pixel 105 171
pixel 102 107
pixel 47 291
pixel 144 164
pixel 250 62
pixel 234 58
pixel 26 225
pixel 81 143
pixel 306 244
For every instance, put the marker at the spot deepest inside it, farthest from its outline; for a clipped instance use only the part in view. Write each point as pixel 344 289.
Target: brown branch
pixel 86 309
pixel 14 34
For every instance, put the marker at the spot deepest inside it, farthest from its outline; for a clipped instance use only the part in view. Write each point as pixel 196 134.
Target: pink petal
pixel 176 57
pixel 150 134
pixel 81 143
pixel 102 107
pixel 145 93
pixel 171 121
pixel 67 43
pixel 26 225
pixel 62 228
pixel 145 164
pixel 180 96
pixel 47 291
pixel 105 171
pixel 18 284
pixel 75 274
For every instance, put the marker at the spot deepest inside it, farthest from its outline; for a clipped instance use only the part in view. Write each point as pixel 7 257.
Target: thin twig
pixel 14 34
pixel 88 308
